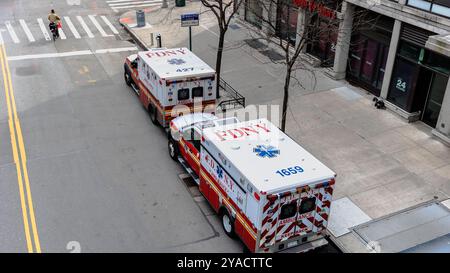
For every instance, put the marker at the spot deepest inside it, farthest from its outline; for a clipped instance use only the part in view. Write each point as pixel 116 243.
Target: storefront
pixel 369 48
pixel 323 31
pixel 286 23
pixel 253 12
pixel 420 76
pixel 322 43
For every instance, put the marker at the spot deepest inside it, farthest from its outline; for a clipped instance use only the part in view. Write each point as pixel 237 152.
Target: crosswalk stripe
pixel 108 23
pixel 1 38
pixel 98 26
pixel 134 3
pixel 12 33
pixel 27 30
pixel 85 27
pixel 62 35
pixel 135 6
pixel 72 27
pixel 43 29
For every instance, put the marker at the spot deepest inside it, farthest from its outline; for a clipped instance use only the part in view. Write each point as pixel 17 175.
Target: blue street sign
pixel 189 19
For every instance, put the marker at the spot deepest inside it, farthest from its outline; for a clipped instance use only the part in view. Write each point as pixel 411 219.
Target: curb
pixel 138 41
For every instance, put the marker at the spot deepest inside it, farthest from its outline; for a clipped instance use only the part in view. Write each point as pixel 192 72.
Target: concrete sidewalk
pixel 384 164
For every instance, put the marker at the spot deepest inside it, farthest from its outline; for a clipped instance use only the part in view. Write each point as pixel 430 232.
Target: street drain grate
pixel 272 55
pixel 191 185
pixel 234 26
pixel 255 43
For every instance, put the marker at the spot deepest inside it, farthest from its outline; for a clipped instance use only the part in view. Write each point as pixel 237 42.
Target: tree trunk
pixel 287 81
pixel 219 61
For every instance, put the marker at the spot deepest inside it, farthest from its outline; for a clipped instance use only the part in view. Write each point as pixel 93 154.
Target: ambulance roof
pixel 175 63
pixel 266 156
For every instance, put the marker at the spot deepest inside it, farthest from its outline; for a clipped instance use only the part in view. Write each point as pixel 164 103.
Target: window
pixel 441 7
pixel 288 211
pixel 183 94
pixel 192 136
pixel 307 205
pixel 197 92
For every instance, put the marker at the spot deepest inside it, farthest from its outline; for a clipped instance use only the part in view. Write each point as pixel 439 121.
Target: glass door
pixel 434 101
pixel 369 61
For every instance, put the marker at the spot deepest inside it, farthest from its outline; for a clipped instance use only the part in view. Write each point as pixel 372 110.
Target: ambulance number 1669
pixel 289 171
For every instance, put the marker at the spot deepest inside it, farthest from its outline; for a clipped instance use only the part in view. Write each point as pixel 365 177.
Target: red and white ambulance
pixel 269 191
pixel 166 79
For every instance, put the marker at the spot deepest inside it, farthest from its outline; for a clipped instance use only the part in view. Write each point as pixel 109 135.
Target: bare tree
pixel 224 11
pixel 310 34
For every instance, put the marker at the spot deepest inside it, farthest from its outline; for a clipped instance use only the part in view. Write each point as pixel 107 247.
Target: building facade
pixel 399 50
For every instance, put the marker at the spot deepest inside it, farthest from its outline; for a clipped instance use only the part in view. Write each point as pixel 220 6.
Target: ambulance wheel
pixel 227 224
pixel 152 111
pixel 127 78
pixel 173 149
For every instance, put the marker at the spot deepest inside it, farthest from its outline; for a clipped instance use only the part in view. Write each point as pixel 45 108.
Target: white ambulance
pixel 166 79
pixel 269 191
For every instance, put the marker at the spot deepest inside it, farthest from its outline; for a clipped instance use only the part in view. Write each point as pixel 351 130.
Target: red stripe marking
pixel 235 207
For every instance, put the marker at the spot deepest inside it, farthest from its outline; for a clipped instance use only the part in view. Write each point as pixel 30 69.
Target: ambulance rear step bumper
pixel 306 246
pixel 189 170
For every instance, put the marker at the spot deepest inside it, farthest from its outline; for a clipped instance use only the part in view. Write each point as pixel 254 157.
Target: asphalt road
pixel 94 171
pixel 99 177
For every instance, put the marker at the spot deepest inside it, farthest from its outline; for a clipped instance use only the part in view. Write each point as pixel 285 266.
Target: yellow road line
pixel 20 162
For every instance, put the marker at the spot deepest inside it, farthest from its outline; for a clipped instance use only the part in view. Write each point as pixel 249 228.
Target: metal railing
pixel 236 98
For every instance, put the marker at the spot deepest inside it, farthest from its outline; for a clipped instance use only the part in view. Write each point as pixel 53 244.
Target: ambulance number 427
pixel 188 69
pixel 290 171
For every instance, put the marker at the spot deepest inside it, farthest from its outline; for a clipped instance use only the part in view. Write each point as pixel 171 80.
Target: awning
pixel 439 44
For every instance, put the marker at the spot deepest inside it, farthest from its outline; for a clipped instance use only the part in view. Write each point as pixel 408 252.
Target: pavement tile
pixel 418 160
pixel 439 178
pixel 389 198
pixel 391 141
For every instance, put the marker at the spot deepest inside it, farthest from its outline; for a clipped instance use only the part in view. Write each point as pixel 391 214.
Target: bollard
pixel 140 18
pixel 158 40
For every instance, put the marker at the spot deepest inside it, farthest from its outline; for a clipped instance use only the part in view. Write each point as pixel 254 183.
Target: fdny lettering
pixel 242 132
pixel 164 53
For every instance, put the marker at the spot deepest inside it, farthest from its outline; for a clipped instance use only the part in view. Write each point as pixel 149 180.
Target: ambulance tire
pixel 173 149
pixel 227 223
pixel 153 114
pixel 127 77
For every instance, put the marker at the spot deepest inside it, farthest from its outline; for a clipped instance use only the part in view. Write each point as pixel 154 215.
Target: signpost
pixel 190 20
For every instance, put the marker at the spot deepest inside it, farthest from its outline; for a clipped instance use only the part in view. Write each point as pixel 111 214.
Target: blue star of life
pixel 176 61
pixel 266 151
pixel 219 172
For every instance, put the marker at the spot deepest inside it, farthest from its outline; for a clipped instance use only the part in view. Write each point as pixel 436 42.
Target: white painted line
pixel 1 38
pixel 85 27
pixel 117 1
pixel 72 27
pixel 27 31
pixel 134 3
pixel 108 23
pixel 43 29
pixel 62 35
pixel 50 55
pixel 136 6
pixel 115 50
pixel 70 53
pixel 98 26
pixel 12 33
